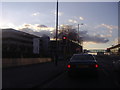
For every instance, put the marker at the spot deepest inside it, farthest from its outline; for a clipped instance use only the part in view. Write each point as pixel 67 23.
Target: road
pixel 30 76
pixel 48 75
pixel 106 78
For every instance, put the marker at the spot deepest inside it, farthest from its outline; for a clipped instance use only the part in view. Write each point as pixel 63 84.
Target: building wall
pixel 45 41
pixel 13 62
pixel 114 50
pixel 18 44
pixel 64 50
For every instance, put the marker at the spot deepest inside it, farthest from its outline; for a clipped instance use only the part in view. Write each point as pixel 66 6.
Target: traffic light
pixel 64 39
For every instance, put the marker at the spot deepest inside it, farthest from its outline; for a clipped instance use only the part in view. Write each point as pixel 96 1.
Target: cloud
pixel 7 25
pixel 35 32
pixel 87 37
pixel 101 35
pixel 81 18
pixel 105 29
pixel 75 19
pixel 36 29
pixel 42 26
pixel 109 27
pixel 108 35
pixel 36 14
pixel 93 38
pixel 40 29
pixel 92 45
pixel 115 41
pixel 119 40
pixel 72 21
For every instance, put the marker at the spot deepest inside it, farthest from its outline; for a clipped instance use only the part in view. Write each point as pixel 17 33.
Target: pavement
pixel 31 76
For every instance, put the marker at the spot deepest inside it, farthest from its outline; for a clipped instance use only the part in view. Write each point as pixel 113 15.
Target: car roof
pixel 82 54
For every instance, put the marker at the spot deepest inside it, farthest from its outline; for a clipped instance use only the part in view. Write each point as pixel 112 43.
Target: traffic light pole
pixel 56 62
pixel 78 33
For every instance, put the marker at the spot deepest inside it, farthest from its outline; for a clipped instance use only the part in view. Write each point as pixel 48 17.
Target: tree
pixel 69 31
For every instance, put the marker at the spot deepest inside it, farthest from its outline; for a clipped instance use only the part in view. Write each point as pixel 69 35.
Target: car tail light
pixel 68 66
pixel 96 65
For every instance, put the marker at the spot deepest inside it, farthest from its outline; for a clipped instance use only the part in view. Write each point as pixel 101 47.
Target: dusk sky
pixel 100 19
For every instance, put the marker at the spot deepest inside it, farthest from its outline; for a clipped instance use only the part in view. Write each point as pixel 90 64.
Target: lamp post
pixel 56 56
pixel 79 31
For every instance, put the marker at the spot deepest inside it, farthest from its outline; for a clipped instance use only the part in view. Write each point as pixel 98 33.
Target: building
pixel 45 43
pixel 18 44
pixel 64 50
pixel 114 49
pixel 96 51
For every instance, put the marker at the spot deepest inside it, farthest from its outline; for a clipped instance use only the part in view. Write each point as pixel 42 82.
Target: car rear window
pixel 82 57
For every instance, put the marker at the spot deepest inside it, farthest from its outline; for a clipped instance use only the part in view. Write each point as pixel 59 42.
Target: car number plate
pixel 82 66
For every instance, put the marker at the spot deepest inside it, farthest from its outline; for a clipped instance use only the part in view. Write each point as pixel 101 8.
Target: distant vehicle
pixel 83 64
pixel 116 66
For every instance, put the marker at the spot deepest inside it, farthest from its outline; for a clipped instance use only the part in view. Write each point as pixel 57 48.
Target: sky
pixel 100 19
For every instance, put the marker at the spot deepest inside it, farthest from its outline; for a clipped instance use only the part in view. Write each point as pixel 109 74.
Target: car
pixel 82 64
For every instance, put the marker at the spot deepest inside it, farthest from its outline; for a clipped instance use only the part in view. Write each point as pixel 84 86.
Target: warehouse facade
pixel 18 44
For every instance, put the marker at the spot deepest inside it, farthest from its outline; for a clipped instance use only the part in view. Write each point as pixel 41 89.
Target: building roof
pixel 116 46
pixel 13 31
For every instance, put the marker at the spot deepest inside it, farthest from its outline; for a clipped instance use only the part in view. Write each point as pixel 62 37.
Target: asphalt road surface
pixel 48 75
pixel 106 78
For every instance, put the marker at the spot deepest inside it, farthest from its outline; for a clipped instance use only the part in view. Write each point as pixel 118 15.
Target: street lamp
pixel 78 31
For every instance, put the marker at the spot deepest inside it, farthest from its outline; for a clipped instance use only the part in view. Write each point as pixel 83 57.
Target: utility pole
pixel 78 33
pixel 79 37
pixel 56 62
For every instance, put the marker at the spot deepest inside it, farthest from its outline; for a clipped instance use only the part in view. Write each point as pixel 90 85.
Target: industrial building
pixel 64 50
pixel 114 50
pixel 18 44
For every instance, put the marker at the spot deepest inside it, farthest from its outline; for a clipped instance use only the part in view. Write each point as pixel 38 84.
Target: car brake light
pixel 68 66
pixel 96 65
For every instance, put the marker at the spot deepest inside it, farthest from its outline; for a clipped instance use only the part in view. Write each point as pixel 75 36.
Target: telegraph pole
pixel 79 37
pixel 56 35
pixel 78 33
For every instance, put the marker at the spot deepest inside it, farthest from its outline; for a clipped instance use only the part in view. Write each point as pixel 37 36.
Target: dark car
pixel 83 64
